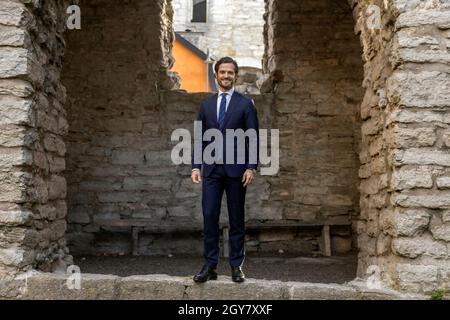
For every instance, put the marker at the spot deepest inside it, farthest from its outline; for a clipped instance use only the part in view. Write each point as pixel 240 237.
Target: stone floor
pixel 273 277
pixel 283 267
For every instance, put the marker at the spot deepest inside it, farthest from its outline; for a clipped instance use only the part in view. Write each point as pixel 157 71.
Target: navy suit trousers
pixel 213 187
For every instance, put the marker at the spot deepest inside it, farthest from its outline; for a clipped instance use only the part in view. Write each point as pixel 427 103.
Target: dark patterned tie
pixel 222 110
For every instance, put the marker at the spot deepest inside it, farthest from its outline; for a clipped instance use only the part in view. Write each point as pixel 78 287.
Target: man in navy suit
pixel 227 109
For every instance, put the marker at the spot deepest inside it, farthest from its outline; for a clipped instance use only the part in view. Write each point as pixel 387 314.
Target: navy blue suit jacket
pixel 241 114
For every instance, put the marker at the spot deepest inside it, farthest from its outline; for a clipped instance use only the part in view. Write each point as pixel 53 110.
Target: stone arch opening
pixel 313 68
pixel 117 168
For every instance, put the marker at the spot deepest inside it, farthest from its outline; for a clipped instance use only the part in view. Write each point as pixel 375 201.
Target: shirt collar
pixel 229 92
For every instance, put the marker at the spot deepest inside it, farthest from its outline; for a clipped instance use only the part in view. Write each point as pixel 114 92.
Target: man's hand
pixel 248 177
pixel 196 176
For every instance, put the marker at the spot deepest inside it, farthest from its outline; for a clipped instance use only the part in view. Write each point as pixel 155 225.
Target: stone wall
pixel 403 227
pixel 32 125
pixel 117 159
pixel 312 64
pixel 120 167
pixel 233 28
pixel 417 102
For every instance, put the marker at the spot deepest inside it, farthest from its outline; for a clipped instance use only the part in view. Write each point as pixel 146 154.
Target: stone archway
pixel 403 223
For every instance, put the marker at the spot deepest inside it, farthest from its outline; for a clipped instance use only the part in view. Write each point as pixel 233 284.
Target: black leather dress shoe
pixel 237 275
pixel 207 273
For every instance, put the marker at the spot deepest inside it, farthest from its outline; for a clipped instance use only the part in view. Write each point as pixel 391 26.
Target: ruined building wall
pixel 414 129
pixel 32 129
pixel 119 145
pixel 313 66
pixel 375 171
pixel 403 227
pixel 118 163
pixel 120 126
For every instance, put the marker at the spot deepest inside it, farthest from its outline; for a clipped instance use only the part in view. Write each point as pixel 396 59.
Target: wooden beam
pixel 135 239
pixel 326 240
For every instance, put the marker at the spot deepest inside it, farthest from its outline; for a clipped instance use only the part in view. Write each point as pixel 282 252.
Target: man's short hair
pixel 226 60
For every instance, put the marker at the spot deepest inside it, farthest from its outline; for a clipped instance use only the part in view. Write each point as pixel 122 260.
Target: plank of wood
pixel 135 237
pixel 326 241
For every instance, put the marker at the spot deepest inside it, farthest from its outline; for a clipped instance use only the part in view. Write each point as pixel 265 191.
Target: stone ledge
pixel 51 286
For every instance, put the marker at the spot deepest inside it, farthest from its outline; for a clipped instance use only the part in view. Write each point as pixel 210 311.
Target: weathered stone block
pixel 417 277
pixel 16 256
pixel 411 222
pixel 422 116
pixel 57 164
pixel 15 110
pixel 15 157
pixel 374 184
pixel 119 197
pixel 79 214
pixel 372 126
pixel 54 144
pixel 129 157
pixel 57 187
pixel 23 236
pixel 152 287
pixel 16 87
pixel 414 247
pixel 420 89
pixel 408 39
pixel 13 62
pixel 432 199
pixel 443 182
pixel 417 18
pixel 57 229
pixel 414 177
pixel 15 218
pixel 17 136
pixel 250 289
pixel 47 211
pixel 376 166
pixel 423 56
pixel 12 13
pixel 13 37
pixel 383 244
pixel 417 137
pixel 147 183
pixel 422 157
pixel 446 216
pixel 441 232
pixel 49 286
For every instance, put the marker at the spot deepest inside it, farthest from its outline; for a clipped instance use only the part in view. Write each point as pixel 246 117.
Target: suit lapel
pixel 212 110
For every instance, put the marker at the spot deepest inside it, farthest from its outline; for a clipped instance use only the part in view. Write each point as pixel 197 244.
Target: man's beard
pixel 230 85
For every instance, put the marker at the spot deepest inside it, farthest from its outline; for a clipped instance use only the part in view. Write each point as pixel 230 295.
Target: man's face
pixel 226 75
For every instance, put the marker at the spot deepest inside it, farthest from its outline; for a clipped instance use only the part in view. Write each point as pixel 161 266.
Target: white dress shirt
pixel 219 100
